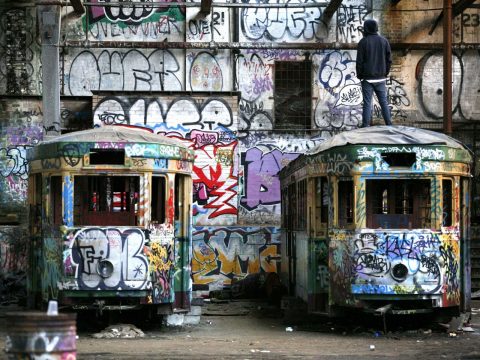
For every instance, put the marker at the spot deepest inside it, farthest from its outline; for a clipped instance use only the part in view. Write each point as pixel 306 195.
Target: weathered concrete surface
pixel 253 330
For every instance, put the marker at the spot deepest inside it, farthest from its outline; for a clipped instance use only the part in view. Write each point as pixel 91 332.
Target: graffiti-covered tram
pixel 110 220
pixel 378 218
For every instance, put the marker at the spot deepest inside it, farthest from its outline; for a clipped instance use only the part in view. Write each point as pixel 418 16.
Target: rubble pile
pixel 121 331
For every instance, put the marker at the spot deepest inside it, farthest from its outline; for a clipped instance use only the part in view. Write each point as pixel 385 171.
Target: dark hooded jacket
pixel 374 55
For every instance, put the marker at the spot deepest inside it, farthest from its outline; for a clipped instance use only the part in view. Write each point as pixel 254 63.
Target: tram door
pixel 183 188
pixel 319 245
pixel 35 188
pixel 466 283
pixel 290 206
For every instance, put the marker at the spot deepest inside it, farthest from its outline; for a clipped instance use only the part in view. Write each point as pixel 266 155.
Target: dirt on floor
pixel 256 330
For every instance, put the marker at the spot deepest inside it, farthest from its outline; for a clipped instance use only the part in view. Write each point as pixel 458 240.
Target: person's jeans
pixel 381 92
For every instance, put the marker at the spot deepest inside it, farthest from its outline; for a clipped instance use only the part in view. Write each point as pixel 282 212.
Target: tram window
pixel 302 204
pixel 397 203
pixel 56 199
pixel 345 202
pixel 447 202
pixel 321 202
pixel 106 200
pixel 107 156
pixel 35 187
pixel 292 207
pixel 403 198
pixel 158 199
pixel 400 159
pixel 181 204
pixel 284 206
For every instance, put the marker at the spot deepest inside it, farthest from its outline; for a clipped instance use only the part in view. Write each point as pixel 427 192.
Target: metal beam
pixel 49 30
pixel 164 45
pixel 447 67
pixel 78 7
pixel 196 4
pixel 330 10
pixel 205 7
pixel 461 5
pixel 457 9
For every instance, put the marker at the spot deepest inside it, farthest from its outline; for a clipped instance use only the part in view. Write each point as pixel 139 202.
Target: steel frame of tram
pixel 110 221
pixel 378 219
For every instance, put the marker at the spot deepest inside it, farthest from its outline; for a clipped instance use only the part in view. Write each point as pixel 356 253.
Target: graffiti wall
pixel 20 68
pixel 206 124
pixel 13 262
pixel 21 127
pixel 141 22
pixel 238 148
pixel 221 255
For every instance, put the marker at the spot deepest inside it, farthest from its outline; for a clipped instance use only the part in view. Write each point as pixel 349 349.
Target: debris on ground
pixel 229 308
pixel 475 295
pixel 252 286
pixel 457 323
pixel 120 331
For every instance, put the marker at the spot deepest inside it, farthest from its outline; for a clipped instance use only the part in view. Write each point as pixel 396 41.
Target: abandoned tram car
pixel 378 218
pixel 110 220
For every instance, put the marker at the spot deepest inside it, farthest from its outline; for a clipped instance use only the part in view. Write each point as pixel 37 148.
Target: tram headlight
pixel 105 268
pixel 399 272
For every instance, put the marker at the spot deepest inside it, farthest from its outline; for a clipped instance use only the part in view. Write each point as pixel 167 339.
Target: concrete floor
pixel 255 330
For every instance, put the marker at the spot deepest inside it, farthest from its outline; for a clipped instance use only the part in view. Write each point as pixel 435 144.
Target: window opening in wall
pixel 106 200
pixel 398 204
pixel 345 202
pixel 158 199
pixel 76 114
pixel 293 95
pixel 447 202
pixel 107 156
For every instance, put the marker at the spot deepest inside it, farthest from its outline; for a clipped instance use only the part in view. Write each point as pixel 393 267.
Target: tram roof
pixel 387 135
pixel 114 133
pixel 137 142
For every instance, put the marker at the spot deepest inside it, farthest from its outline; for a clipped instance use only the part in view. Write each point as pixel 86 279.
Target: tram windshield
pixel 106 200
pixel 396 203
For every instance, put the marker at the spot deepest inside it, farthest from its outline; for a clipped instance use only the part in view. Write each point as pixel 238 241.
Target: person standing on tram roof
pixel 374 58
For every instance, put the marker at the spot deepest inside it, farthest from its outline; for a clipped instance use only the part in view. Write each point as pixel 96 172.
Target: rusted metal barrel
pixel 36 335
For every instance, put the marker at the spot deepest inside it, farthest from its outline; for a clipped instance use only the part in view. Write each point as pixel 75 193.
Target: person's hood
pixel 370 27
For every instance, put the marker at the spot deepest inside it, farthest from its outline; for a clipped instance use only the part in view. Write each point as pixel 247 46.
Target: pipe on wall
pixel 212 45
pixel 447 67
